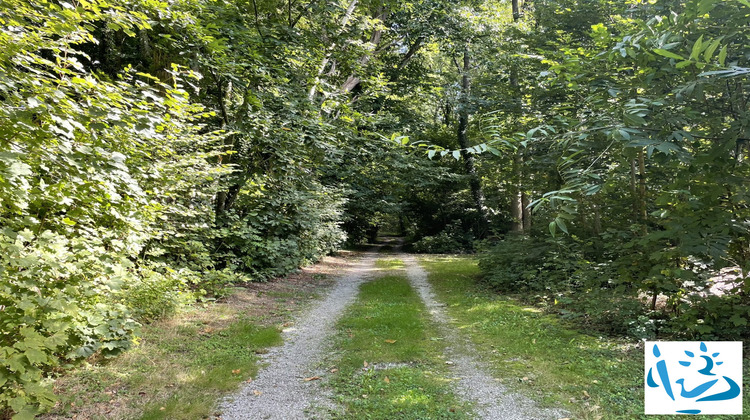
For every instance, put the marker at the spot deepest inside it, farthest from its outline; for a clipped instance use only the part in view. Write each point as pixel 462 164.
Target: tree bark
pixel 324 63
pixel 463 143
pixel 353 80
pixel 634 190
pixel 642 185
pixel 519 201
pixel 516 205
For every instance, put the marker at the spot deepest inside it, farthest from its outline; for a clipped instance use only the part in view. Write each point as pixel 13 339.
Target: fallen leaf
pixel 162 408
pixel 390 341
pixel 257 393
pixel 586 395
pixel 364 395
pixel 249 380
pixel 452 409
pixel 365 364
pixel 525 378
pixel 386 380
pixel 312 378
pixel 595 381
pixel 334 370
pixel 235 372
pixel 448 362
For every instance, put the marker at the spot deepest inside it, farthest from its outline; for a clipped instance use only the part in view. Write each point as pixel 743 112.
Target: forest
pixel 594 154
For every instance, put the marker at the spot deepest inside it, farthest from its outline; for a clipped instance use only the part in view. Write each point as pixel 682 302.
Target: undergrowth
pixel 594 377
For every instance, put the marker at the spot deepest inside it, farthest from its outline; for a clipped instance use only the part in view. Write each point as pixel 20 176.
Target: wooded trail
pixel 293 385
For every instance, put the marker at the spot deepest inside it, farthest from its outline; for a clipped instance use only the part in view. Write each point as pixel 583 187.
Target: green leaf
pixel 723 55
pixel 709 53
pixel 457 154
pixel 683 64
pixel 35 356
pixel 668 54
pixel 697 48
pixel 494 151
pixel 431 153
pixel 633 119
pixel 26 413
pixel 552 228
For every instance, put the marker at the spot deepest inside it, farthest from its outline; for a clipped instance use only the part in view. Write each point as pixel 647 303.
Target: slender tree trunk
pixel 597 227
pixel 516 204
pixel 353 80
pixel 642 185
pixel 463 143
pixel 634 190
pixel 526 213
pixel 324 63
pixel 519 213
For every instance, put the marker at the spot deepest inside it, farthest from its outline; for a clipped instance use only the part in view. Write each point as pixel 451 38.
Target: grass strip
pixel 178 372
pixel 390 363
pixel 183 364
pixel 593 377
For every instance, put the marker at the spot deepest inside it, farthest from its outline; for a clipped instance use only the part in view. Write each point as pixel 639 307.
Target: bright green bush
pixel 91 170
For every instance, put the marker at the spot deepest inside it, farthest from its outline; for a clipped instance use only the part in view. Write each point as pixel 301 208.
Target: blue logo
pixel 693 378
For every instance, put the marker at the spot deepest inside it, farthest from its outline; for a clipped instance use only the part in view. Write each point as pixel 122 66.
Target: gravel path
pixel 493 401
pixel 280 390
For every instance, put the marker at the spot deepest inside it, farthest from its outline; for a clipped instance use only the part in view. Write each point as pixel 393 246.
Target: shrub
pixel 452 240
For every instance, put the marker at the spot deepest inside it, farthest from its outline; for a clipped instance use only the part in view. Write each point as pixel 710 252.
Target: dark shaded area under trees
pixel 151 154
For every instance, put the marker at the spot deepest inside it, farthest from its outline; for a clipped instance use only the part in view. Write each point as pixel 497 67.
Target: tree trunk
pixel 597 228
pixel 463 143
pixel 519 213
pixel 526 212
pixel 323 64
pixel 353 80
pixel 516 202
pixel 634 190
pixel 642 185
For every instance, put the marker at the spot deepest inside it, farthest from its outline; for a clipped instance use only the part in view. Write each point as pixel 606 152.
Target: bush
pixel 521 264
pixel 54 312
pixel 452 240
pixel 155 294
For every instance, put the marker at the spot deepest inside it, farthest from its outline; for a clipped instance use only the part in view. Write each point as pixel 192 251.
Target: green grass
pixel 178 371
pixel 215 365
pixel 593 377
pixel 413 386
pixel 389 264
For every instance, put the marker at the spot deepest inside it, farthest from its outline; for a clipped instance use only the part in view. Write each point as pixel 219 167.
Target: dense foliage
pixel 155 152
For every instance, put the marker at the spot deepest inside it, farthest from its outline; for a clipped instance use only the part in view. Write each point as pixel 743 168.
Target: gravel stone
pixel 280 391
pixel 473 383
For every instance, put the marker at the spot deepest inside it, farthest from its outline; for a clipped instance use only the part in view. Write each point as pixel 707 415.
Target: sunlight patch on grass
pixel 179 370
pixel 389 263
